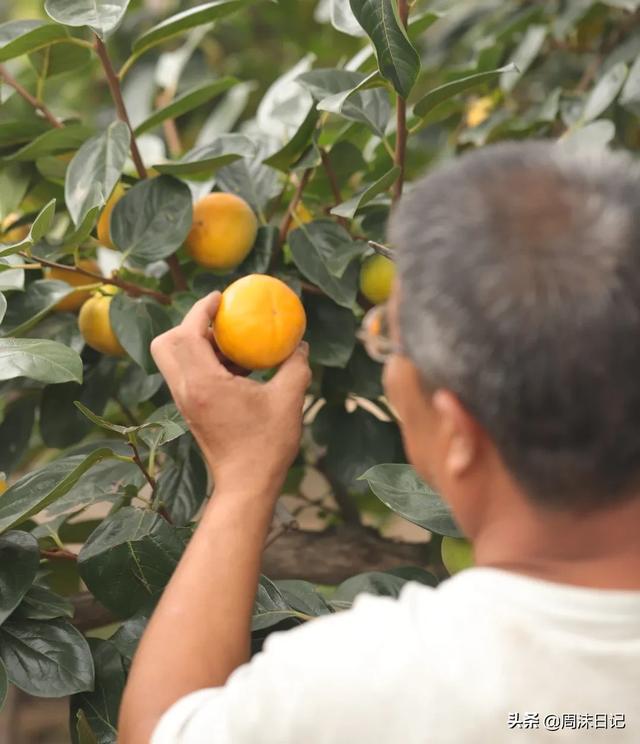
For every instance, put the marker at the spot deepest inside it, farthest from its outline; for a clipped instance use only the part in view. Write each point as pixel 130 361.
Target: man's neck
pixel 600 549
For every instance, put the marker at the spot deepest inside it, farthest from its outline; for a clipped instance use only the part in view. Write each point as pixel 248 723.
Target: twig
pixel 401 118
pixel 113 80
pixel 310 288
pixel 169 125
pixel 138 461
pixel 59 554
pixel 22 91
pixel 382 250
pixel 288 217
pixel 132 289
pixel 116 94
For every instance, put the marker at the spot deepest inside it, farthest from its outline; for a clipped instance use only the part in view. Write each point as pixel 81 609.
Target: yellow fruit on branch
pixel 376 278
pixel 95 325
pixel 74 300
pixel 104 222
pixel 457 554
pixel 3 485
pixel 223 231
pixel 259 323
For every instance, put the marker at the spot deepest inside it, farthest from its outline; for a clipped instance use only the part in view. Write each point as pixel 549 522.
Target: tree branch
pixel 401 119
pixel 131 289
pixel 138 461
pixel 382 250
pixel 326 557
pixel 116 94
pixel 32 100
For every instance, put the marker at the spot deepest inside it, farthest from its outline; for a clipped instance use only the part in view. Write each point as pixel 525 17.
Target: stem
pixel 382 249
pixel 169 126
pixel 333 181
pixel 401 118
pixel 116 94
pixel 138 461
pixel 22 91
pixel 179 281
pixel 288 217
pixel 131 289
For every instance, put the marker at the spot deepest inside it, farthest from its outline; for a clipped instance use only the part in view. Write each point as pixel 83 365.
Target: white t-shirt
pixel 489 656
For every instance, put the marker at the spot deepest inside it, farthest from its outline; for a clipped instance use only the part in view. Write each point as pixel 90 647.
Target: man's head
pixel 518 308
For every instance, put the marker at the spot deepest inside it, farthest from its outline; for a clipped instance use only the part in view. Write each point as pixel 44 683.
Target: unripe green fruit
pixel 457 554
pixel 376 278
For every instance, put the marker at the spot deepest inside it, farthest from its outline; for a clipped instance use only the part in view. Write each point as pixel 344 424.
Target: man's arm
pixel 249 434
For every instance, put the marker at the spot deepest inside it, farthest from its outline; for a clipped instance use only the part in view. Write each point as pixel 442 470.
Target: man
pixel 514 366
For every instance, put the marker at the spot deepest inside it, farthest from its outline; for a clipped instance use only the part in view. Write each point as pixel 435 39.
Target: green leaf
pixel 19 560
pixel 340 92
pixel 630 96
pixel 605 92
pixel 42 223
pixel 3 307
pixel 358 441
pixel 270 606
pixel 99 707
pixel 128 635
pixel 136 323
pixel 84 732
pixel 69 137
pixel 102 16
pixel 524 56
pixel 324 253
pixel 27 308
pixel 95 170
pixel 11 278
pixel 103 483
pixel 399 487
pixel 164 425
pixel 350 207
pixel 15 431
pixel 184 21
pixel 136 386
pixel 14 182
pixel 287 155
pixel 398 61
pixel 152 219
pixel 595 135
pixel 46 659
pixel 251 179
pixel 182 484
pixel 37 359
pixel 59 59
pixel 378 583
pixel 203 161
pixel 13 132
pixel 303 597
pixel 21 37
pixel 40 603
pixel 259 260
pixel 61 424
pixel 330 332
pixel 39 488
pixel 128 560
pixel 362 376
pixel 4 684
pixel 60 327
pixel 444 92
pixel 185 102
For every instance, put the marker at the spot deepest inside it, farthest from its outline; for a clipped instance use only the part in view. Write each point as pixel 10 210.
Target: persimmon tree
pixel 317 114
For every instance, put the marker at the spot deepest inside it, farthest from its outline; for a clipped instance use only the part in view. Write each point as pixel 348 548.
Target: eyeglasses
pixel 375 334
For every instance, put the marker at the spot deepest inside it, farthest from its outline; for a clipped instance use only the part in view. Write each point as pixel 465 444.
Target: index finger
pixel 199 318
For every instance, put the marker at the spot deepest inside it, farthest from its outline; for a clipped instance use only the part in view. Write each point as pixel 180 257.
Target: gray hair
pixel 519 271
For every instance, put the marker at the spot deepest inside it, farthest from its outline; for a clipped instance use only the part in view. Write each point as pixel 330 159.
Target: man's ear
pixel 458 431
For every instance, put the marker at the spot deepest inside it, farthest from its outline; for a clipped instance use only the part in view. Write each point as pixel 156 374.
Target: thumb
pixel 295 374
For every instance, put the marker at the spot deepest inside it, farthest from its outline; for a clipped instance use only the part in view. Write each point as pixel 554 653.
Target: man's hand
pixel 249 432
